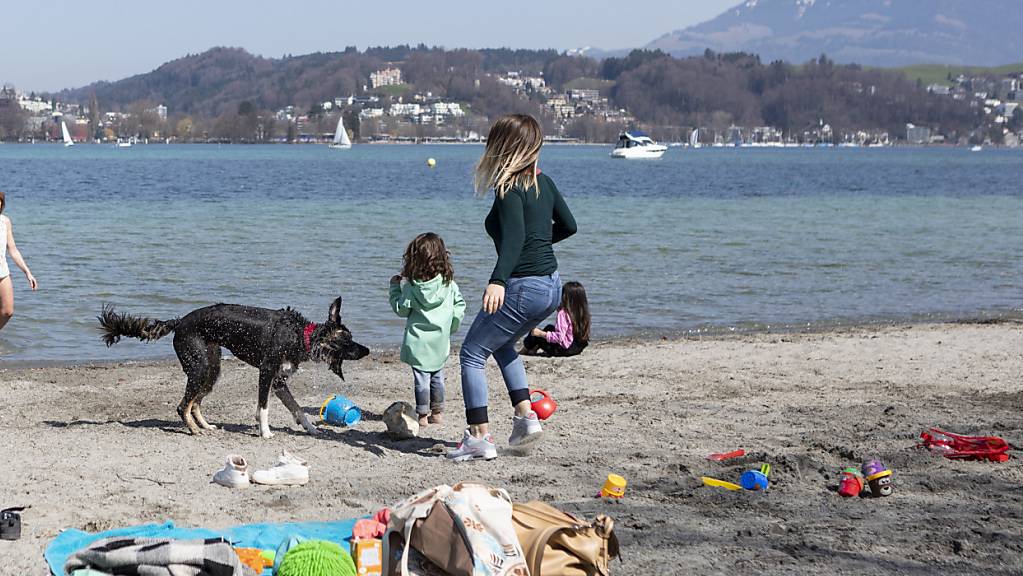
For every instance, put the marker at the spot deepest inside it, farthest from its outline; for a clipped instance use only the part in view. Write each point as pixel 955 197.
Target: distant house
pixel 448 109
pixel 939 89
pixel 371 113
pixel 918 134
pixel 386 77
pixel 584 95
pixel 407 109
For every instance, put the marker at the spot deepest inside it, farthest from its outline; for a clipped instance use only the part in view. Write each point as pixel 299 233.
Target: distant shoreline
pixel 549 143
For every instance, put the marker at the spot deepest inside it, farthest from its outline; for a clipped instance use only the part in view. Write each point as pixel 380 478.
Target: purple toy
pixel 878 478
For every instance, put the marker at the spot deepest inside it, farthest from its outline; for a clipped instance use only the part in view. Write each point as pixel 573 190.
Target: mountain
pixel 870 32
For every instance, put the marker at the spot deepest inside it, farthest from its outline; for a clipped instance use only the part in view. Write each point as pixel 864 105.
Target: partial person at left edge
pixel 7 246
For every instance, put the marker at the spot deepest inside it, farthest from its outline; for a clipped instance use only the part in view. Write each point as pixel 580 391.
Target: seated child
pixel 571 332
pixel 434 308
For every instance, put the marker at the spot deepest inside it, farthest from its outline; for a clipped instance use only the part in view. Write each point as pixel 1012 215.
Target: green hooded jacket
pixel 434 310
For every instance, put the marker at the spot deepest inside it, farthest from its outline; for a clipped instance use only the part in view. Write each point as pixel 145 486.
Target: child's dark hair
pixel 426 257
pixel 573 300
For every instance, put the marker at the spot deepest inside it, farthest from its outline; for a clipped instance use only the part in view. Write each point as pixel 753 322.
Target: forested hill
pixel 216 81
pixel 656 89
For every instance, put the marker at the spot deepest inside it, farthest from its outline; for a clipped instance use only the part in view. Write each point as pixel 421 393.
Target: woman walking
pixel 529 215
pixel 7 246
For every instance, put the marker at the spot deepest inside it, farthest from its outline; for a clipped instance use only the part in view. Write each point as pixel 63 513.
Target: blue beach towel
pixel 263 536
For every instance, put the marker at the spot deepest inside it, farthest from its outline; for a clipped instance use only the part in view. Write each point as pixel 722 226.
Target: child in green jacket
pixel 434 308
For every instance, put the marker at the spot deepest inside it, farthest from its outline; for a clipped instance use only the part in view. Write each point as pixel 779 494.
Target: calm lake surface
pixel 714 239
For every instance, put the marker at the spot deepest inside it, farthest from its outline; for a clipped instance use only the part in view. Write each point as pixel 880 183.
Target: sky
pixel 54 44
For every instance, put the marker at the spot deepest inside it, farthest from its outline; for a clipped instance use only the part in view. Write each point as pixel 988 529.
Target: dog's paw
pixel 266 435
pixel 312 430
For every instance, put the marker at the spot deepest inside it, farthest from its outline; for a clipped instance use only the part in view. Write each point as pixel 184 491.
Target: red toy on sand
pixel 959 447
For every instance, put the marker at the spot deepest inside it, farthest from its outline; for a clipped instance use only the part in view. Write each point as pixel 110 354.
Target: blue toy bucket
pixel 340 411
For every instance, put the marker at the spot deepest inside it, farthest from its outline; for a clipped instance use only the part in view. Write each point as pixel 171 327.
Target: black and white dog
pixel 275 341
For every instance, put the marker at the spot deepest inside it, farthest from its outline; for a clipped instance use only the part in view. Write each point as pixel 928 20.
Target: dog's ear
pixel 334 314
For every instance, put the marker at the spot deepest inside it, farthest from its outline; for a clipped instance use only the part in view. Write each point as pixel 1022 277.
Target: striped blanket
pixel 159 557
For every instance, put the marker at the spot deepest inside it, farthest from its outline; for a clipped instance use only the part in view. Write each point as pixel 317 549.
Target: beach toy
pixel 368 555
pixel 316 558
pixel 255 558
pixel 727 455
pixel 707 481
pixel 756 479
pixel 959 447
pixel 878 478
pixel 542 404
pixel 851 483
pixel 614 487
pixel 431 162
pixel 340 411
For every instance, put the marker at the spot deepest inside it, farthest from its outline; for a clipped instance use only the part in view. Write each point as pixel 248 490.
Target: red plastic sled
pixel 959 447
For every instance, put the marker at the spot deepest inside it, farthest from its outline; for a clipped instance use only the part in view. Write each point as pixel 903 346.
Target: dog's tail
pixel 114 325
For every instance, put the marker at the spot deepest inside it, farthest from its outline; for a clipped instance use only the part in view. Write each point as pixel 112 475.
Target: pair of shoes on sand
pixel 526 432
pixel 290 470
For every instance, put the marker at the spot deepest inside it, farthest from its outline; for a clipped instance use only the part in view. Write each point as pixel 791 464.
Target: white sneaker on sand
pixel 290 470
pixel 472 448
pixel 234 474
pixel 526 431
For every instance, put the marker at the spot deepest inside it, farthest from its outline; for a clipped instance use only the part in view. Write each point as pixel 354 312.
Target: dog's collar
pixel 307 334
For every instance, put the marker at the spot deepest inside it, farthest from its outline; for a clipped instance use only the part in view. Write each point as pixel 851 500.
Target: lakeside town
pixel 389 109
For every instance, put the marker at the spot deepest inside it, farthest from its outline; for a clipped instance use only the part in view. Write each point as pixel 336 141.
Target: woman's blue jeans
pixel 527 302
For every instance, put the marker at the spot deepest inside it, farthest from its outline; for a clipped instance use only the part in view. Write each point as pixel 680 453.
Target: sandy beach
pixel 97 447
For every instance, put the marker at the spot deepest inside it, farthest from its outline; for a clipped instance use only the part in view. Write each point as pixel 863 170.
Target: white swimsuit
pixel 4 271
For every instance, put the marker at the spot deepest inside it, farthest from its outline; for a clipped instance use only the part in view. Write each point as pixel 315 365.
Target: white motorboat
pixel 66 135
pixel 341 139
pixel 637 145
pixel 977 148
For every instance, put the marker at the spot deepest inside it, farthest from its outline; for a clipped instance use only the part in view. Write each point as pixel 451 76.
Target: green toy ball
pixel 317 558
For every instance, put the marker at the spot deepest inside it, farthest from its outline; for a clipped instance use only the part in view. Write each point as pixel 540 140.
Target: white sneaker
pixel 526 430
pixel 472 448
pixel 290 470
pixel 234 474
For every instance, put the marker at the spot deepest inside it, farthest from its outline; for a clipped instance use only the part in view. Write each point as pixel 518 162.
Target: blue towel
pixel 262 536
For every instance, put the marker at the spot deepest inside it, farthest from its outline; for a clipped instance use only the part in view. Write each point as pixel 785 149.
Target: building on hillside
pixel 371 113
pixel 561 107
pixel 918 134
pixel 584 95
pixel 405 109
pixel 448 109
pixel 939 90
pixel 386 77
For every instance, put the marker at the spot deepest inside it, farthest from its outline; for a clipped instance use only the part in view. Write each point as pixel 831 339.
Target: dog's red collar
pixel 307 334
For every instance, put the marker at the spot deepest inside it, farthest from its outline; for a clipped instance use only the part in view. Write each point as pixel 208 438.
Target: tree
pixel 12 120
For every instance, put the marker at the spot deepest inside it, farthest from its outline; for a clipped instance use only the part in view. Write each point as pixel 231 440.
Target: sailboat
pixel 341 135
pixel 694 139
pixel 67 135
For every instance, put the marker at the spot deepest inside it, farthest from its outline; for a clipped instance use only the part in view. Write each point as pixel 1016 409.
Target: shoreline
pixel 711 333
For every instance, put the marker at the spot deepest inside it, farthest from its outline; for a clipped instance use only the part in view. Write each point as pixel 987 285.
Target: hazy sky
pixel 53 44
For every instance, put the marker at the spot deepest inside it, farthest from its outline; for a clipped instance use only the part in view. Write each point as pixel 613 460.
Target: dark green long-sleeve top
pixel 524 227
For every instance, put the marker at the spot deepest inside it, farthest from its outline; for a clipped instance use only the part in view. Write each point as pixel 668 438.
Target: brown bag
pixel 558 544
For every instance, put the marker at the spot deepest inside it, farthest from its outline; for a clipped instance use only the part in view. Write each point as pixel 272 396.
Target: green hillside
pixel 938 73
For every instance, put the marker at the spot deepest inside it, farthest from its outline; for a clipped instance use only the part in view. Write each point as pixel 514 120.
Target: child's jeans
pixel 429 391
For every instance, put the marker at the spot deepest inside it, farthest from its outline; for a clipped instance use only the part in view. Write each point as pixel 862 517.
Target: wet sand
pixel 97 447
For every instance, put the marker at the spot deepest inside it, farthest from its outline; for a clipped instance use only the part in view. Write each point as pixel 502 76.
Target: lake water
pixel 714 239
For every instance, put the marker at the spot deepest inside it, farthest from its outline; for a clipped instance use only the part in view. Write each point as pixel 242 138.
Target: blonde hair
pixel 513 148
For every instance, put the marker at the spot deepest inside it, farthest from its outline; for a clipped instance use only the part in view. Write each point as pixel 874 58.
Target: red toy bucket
pixel 542 404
